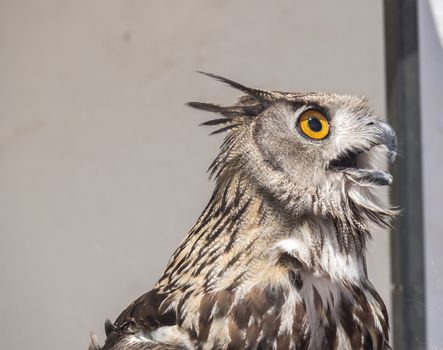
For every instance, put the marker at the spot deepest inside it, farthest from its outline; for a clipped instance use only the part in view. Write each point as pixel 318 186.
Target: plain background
pixel 102 165
pixel 431 74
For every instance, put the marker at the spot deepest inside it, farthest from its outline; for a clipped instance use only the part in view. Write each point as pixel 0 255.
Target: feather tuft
pixel 261 95
pixel 232 83
pixel 229 111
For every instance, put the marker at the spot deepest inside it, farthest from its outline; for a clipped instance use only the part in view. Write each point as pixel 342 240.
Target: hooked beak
pixel 348 163
pixel 388 138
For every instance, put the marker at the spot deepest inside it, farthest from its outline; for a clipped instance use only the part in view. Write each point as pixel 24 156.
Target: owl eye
pixel 313 124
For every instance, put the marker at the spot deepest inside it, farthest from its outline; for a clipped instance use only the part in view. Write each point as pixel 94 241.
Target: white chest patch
pixel 321 254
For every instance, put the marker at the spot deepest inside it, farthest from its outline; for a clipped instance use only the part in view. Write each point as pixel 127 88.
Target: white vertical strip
pixel 431 81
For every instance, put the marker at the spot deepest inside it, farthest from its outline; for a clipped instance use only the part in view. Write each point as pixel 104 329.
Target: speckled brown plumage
pixel 277 258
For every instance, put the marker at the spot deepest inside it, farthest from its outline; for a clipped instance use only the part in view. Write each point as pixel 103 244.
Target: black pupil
pixel 314 124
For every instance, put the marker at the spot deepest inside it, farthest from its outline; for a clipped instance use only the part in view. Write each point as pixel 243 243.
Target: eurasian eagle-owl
pixel 277 258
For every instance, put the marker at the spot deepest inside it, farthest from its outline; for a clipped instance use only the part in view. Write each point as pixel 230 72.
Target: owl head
pixel 307 153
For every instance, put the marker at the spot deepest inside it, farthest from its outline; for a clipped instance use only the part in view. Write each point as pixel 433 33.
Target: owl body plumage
pixel 277 258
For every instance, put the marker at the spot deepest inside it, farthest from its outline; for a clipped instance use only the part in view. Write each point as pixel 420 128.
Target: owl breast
pixel 291 304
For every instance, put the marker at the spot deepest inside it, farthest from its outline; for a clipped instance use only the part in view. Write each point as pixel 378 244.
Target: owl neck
pixel 333 246
pixel 242 225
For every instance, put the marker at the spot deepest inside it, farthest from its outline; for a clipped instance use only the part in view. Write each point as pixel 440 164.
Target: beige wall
pixel 102 165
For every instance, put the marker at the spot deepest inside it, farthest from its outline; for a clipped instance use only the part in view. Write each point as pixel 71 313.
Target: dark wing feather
pixel 148 312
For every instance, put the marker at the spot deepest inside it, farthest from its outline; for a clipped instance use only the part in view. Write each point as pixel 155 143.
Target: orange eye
pixel 313 124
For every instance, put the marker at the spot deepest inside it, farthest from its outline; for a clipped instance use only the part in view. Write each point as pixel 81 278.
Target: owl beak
pixel 387 137
pixel 348 163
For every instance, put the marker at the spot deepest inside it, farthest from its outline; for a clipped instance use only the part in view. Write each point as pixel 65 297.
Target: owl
pixel 277 258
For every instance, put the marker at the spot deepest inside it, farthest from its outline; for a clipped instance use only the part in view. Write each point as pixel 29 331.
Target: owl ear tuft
pixel 261 95
pixel 233 116
pixel 229 111
pixel 248 106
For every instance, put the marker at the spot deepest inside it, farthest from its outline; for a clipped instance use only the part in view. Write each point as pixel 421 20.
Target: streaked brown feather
pixel 234 282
